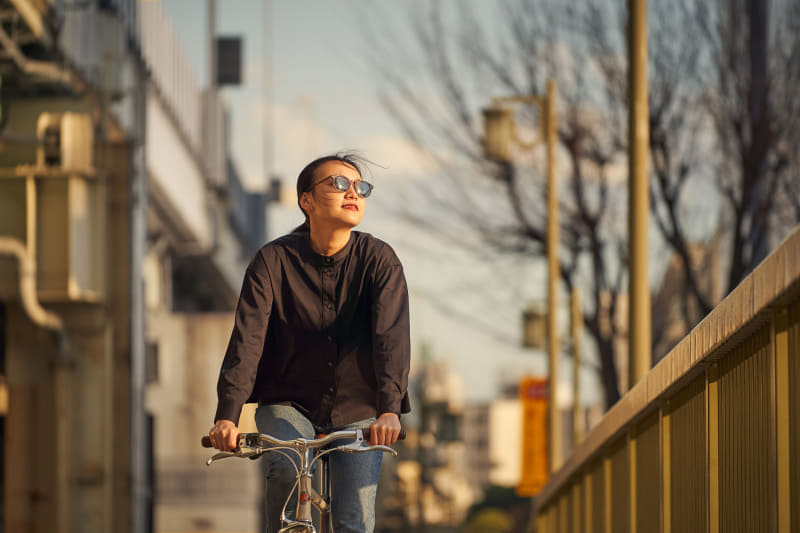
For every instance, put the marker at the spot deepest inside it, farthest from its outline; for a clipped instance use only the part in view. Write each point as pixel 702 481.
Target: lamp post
pixel 499 139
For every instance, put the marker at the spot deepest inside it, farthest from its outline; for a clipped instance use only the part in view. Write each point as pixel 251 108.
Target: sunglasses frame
pixel 340 181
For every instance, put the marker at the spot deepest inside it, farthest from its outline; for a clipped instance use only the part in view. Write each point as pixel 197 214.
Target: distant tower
pixel 307 107
pixel 268 120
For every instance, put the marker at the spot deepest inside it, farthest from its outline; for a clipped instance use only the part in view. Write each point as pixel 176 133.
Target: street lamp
pixel 500 133
pixel 500 137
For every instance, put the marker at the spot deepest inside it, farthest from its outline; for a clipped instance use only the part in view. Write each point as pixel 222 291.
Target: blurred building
pixel 124 233
pixel 674 313
pixel 475 430
pixel 429 481
pixel 492 434
pixel 493 440
pixel 505 442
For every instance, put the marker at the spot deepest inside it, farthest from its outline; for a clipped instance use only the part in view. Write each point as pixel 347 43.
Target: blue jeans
pixel 354 477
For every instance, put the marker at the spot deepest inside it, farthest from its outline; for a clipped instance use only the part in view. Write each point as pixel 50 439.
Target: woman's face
pixel 328 207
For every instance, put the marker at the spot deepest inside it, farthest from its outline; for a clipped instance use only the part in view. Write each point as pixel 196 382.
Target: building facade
pixel 120 262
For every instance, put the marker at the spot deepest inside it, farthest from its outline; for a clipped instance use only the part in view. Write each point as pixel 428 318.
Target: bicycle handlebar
pixel 323 440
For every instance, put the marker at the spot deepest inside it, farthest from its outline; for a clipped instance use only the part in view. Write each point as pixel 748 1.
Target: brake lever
pixel 359 445
pixel 243 451
pixel 354 448
pixel 382 448
pixel 218 456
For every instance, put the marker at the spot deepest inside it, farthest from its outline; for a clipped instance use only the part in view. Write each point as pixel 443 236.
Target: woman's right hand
pixel 224 435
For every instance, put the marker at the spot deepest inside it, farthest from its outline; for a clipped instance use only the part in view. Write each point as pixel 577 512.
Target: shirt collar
pixel 327 260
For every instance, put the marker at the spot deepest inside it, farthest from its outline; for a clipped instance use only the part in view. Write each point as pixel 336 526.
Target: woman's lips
pixel 352 207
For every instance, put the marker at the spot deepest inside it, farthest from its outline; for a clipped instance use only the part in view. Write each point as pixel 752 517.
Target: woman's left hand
pixel 385 430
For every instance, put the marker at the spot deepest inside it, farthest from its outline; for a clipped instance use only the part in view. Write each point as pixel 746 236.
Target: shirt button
pixel 330 363
pixel 331 389
pixel 329 306
pixel 330 339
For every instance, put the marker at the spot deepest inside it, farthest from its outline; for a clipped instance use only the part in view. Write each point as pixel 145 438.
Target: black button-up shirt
pixel 328 334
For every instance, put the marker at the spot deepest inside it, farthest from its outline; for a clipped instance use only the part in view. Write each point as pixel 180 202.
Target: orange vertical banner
pixel 533 398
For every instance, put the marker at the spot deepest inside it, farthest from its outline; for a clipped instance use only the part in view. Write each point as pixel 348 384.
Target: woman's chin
pixel 352 219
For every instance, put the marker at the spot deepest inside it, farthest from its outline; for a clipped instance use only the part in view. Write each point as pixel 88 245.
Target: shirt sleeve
pixel 239 367
pixel 391 338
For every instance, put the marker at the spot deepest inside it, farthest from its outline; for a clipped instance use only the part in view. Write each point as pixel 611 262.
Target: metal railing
pixel 171 71
pixel 709 439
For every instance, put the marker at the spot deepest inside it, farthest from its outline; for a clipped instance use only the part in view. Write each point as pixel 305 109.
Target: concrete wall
pixel 66 449
pixel 225 497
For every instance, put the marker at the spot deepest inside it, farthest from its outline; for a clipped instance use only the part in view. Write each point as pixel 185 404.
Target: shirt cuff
pixel 389 405
pixel 228 410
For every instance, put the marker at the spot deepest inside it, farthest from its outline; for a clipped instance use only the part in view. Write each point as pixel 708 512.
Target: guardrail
pixel 171 71
pixel 709 440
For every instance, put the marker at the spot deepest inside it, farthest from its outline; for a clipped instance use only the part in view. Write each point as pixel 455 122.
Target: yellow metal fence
pixel 708 441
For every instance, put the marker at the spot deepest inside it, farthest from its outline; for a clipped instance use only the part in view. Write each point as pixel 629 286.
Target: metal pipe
pixel 639 349
pixel 35 20
pixel 24 171
pixel 61 380
pixel 45 69
pixel 27 286
pixel 30 217
pixel 137 213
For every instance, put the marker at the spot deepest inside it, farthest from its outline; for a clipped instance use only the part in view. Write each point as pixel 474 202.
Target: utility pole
pixel 499 139
pixel 553 277
pixel 639 349
pixel 211 29
pixel 578 421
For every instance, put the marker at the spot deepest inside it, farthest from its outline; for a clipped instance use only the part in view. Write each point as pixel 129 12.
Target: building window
pixel 151 363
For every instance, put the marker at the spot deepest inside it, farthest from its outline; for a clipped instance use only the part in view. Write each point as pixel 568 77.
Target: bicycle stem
pixel 303 513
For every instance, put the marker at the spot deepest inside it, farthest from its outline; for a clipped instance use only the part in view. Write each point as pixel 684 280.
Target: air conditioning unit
pixel 57 207
pixel 66 141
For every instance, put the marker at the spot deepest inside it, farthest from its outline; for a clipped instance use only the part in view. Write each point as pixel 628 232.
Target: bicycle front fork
pixel 307 496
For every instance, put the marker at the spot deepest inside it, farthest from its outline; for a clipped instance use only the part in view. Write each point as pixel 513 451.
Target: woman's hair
pixel 306 178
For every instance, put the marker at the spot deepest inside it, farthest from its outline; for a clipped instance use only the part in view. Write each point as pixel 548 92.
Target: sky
pixel 316 95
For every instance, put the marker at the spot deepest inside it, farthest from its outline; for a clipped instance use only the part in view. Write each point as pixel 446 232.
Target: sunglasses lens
pixel 341 183
pixel 363 188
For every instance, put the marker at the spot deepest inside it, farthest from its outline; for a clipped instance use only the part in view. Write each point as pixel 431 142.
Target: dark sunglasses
pixel 342 183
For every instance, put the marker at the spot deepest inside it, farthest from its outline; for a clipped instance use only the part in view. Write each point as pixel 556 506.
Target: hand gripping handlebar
pixel 253 439
pixel 253 445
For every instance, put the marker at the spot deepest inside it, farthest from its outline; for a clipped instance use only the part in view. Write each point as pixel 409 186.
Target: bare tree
pixel 462 61
pixel 505 203
pixel 755 47
pixel 723 103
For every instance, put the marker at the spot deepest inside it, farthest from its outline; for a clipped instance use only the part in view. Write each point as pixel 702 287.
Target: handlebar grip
pixel 206 442
pixel 402 435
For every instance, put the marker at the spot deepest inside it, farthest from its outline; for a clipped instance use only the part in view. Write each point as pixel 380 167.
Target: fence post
pixel 782 419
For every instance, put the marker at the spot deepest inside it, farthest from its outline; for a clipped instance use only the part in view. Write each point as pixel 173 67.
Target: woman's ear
pixel 305 201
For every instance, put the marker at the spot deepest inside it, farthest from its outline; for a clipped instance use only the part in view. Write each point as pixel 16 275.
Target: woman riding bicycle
pixel 321 341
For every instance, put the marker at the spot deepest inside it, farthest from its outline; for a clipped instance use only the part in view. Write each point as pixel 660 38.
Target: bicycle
pixel 309 451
